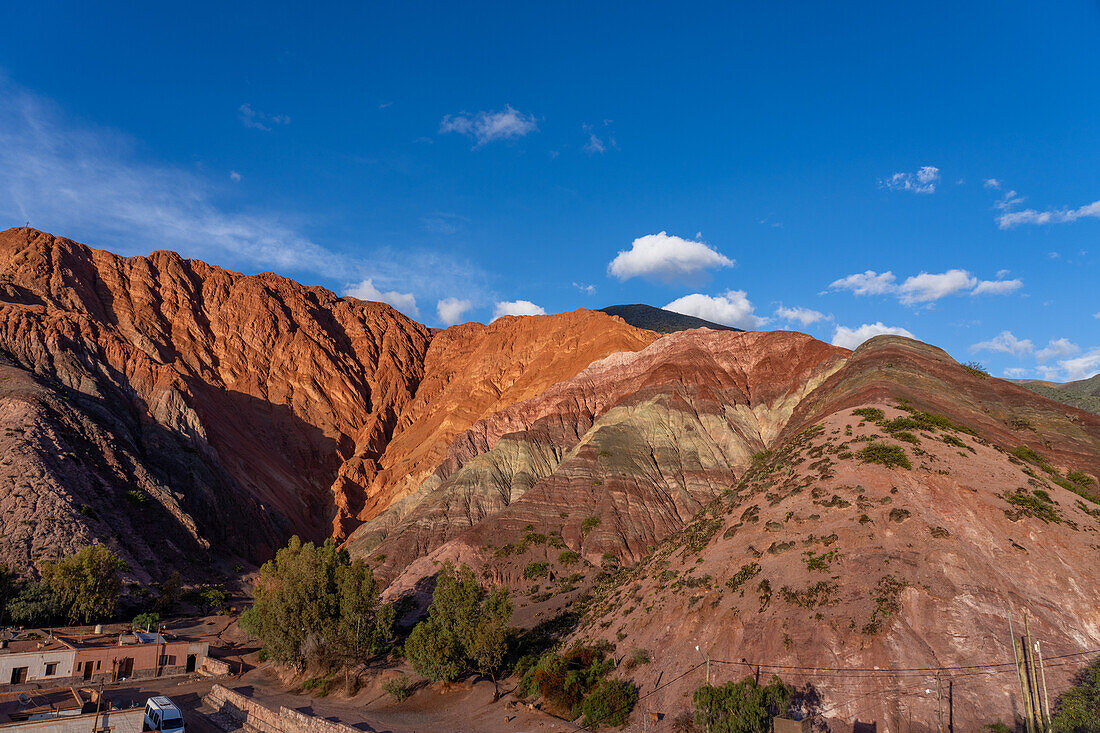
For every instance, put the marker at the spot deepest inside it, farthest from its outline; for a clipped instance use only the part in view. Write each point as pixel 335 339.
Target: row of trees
pixel 315 607
pixel 84 587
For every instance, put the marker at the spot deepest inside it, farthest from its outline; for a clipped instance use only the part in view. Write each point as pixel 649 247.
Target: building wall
pixel 106 661
pixel 35 661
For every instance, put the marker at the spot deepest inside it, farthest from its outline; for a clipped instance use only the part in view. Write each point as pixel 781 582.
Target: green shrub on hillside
pixel 887 454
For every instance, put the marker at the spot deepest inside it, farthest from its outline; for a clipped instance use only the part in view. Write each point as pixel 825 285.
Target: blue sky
pixel 841 169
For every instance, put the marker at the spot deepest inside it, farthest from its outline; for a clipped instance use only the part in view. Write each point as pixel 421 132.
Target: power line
pixel 873 671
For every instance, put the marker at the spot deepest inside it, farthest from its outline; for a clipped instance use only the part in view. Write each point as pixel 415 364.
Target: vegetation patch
pixel 576 682
pixel 589 524
pixel 742 576
pixel 900 515
pixel 737 707
pixel 822 562
pixel 887 603
pixel 536 570
pixel 818 594
pixel 1037 504
pixel 568 557
pixel 886 454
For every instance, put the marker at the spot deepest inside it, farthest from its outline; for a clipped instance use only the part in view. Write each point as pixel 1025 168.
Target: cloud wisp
pixel 366 290
pixel 923 181
pixel 850 338
pixel 804 316
pixel 666 257
pixel 1010 219
pixel 86 183
pixel 258 120
pixel 486 127
pixel 924 288
pixel 732 308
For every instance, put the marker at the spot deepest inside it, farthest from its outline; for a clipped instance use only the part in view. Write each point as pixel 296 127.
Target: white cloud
pixel 731 309
pixel 1054 216
pixel 866 283
pixel 451 310
pixel 1082 367
pixel 585 288
pixel 1096 315
pixel 1016 372
pixel 1057 348
pixel 666 257
pixel 923 181
pixel 997 287
pixel 595 145
pixel 487 127
pixel 1006 343
pixel 517 308
pixel 1009 200
pixel 850 338
pixel 1001 274
pixel 365 290
pixel 234 176
pixel 926 287
pixel 258 120
pixel 805 316
pixel 991 183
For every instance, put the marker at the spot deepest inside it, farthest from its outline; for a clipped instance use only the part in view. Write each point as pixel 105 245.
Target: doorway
pixel 190 663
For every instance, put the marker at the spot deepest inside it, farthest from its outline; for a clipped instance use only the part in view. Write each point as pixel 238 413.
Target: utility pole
pixel 706 658
pixel 1046 695
pixel 1033 678
pixel 939 704
pixel 951 706
pixel 1017 655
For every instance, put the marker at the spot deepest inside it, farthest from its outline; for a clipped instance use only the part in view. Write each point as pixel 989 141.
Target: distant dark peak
pixel 660 320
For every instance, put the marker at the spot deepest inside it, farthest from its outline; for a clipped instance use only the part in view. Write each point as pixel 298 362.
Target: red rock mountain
pixel 258 407
pixel 774 498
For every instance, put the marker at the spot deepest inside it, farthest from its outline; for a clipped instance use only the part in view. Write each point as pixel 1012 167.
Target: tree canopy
pixel 466 628
pixel 313 604
pixel 86 584
pixel 741 707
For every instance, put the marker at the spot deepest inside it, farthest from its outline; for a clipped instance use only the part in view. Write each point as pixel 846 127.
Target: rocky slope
pixel 264 407
pixel 1083 394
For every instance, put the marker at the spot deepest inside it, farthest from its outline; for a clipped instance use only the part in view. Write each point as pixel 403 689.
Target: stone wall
pixel 234 708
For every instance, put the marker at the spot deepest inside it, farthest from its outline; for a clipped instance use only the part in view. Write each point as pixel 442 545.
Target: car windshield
pixel 172 720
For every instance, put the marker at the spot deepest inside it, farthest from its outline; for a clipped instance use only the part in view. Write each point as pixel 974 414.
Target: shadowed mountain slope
pixel 660 320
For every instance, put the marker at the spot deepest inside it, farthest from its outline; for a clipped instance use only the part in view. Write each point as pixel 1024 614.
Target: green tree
pixel 147 621
pixel 313 604
pixel 1078 708
pixel 487 645
pixel 8 586
pixel 741 707
pixel 169 593
pixel 465 629
pixel 87 584
pixel 34 605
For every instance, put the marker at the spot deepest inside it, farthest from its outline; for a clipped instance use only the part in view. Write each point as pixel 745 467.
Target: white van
pixel 161 714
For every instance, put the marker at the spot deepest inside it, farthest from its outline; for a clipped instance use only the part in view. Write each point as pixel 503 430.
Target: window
pixel 78 665
pixel 51 669
pixel 97 665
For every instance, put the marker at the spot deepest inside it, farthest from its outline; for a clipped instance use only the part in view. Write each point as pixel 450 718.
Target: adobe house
pixel 36 658
pixel 109 658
